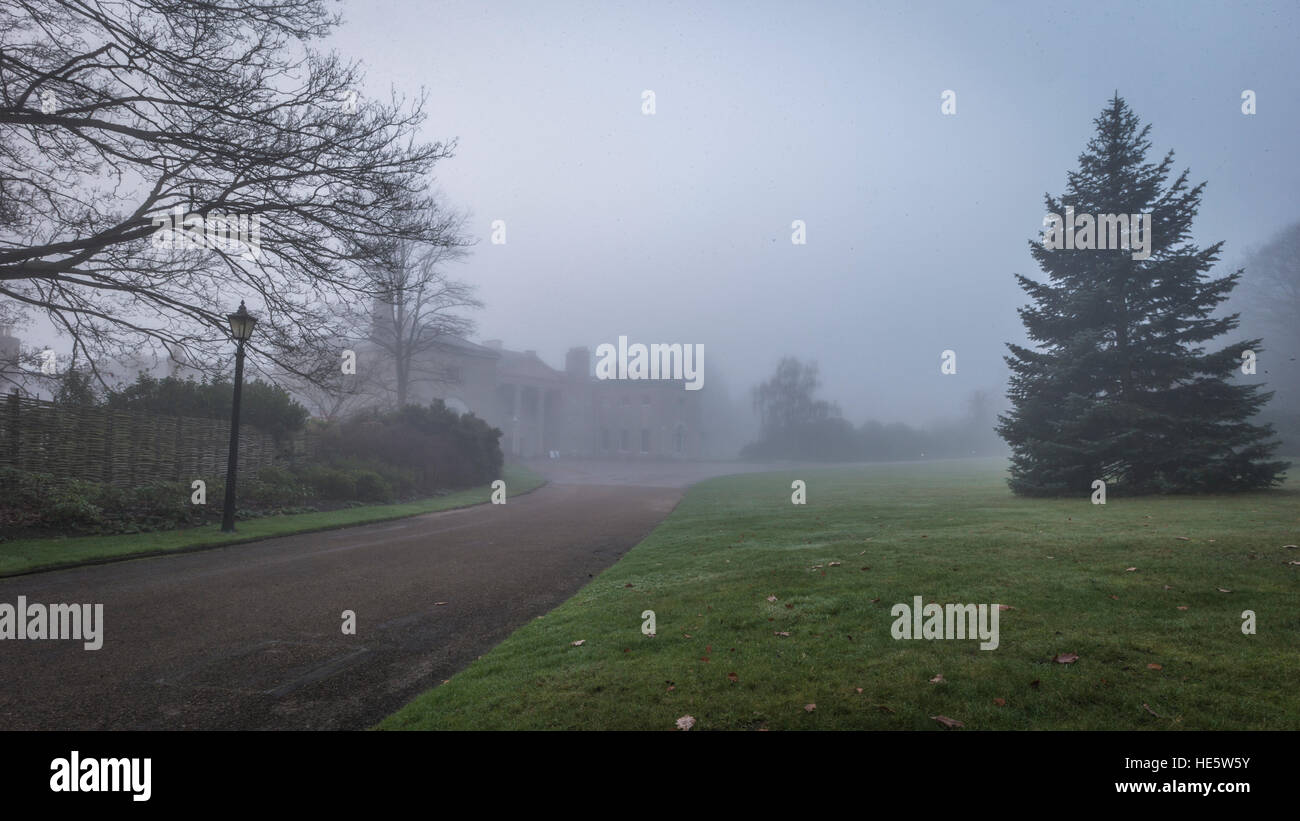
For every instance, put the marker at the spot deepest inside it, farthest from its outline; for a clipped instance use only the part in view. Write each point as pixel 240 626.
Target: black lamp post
pixel 241 328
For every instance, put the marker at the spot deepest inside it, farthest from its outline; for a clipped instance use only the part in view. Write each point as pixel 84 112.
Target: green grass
pixel 952 533
pixel 26 555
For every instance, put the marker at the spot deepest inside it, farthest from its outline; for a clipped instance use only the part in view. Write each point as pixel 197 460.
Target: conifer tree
pixel 1119 385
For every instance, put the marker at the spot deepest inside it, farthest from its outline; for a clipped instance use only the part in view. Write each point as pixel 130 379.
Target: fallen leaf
pixel 948 722
pixel 1154 666
pixel 1167 587
pixel 859 689
pixel 789 607
pixel 1034 684
pixel 704 659
pixel 808 708
pixel 1001 702
pixel 937 679
pixel 579 642
pixel 1183 539
pixel 833 564
pixel 1065 658
pixel 686 635
pixel 733 678
pixel 1223 590
pixel 783 635
pixel 771 598
pixel 1289 547
pixel 1116 598
pixel 685 722
pixel 1182 607
pixel 672 687
pixel 441 603
pixel 868 567
pixel 1129 569
pixel 708 648
pixel 873 601
pixel 882 708
pixel 1005 607
pixel 1147 707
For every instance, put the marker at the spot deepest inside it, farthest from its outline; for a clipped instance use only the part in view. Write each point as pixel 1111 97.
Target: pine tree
pixel 1120 387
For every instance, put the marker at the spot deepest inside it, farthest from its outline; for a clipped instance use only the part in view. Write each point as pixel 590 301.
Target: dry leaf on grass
pixel 833 564
pixel 685 722
pixel 1129 569
pixel 882 708
pixel 783 635
pixel 771 598
pixel 1005 607
pixel 1183 539
pixel 1001 702
pixel 1223 590
pixel 441 603
pixel 808 708
pixel 733 678
pixel 1147 707
pixel 859 689
pixel 1154 666
pixel 1182 607
pixel 578 643
pixel 937 679
pixel 1065 658
pixel 948 722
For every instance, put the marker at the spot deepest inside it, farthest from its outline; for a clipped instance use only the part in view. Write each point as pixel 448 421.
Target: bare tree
pixel 419 306
pixel 117 118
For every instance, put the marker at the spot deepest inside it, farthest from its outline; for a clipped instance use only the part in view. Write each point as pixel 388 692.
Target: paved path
pixel 248 637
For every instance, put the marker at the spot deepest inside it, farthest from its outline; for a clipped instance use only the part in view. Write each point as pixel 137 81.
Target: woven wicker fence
pixel 126 448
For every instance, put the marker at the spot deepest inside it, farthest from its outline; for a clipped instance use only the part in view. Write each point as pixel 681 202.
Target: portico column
pixel 541 419
pixel 514 448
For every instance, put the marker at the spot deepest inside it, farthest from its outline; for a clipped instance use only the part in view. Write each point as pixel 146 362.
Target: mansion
pixel 541 410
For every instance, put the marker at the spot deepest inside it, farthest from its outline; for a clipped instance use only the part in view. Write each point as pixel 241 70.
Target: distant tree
pixel 1119 386
pixel 418 305
pixel 1271 302
pixel 787 401
pixel 793 423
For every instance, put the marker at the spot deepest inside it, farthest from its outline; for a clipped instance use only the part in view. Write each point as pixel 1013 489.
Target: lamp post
pixel 241 328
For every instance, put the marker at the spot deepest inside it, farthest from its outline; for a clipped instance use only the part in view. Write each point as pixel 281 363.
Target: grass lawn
pixel 951 533
pixel 25 555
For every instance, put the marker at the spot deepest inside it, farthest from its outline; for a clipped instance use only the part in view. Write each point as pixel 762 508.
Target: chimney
pixel 577 363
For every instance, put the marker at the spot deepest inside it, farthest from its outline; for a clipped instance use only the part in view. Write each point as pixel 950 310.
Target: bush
pixel 330 482
pixel 371 487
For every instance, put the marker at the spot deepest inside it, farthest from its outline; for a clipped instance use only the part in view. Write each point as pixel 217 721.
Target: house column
pixel 514 419
pixel 541 420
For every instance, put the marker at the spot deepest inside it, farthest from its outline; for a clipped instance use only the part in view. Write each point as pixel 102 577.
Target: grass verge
pixel 1148 592
pixel 29 555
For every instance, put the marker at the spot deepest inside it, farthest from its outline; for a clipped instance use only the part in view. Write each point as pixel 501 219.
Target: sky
pixel 676 226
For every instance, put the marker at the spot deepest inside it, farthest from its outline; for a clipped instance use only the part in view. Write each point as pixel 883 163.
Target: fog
pixel 676 227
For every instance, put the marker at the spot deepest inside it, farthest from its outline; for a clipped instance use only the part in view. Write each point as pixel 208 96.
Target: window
pixel 624 441
pixel 455 374
pixel 645 440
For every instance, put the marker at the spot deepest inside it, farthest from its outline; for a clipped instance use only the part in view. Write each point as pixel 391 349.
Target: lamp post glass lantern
pixel 241 329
